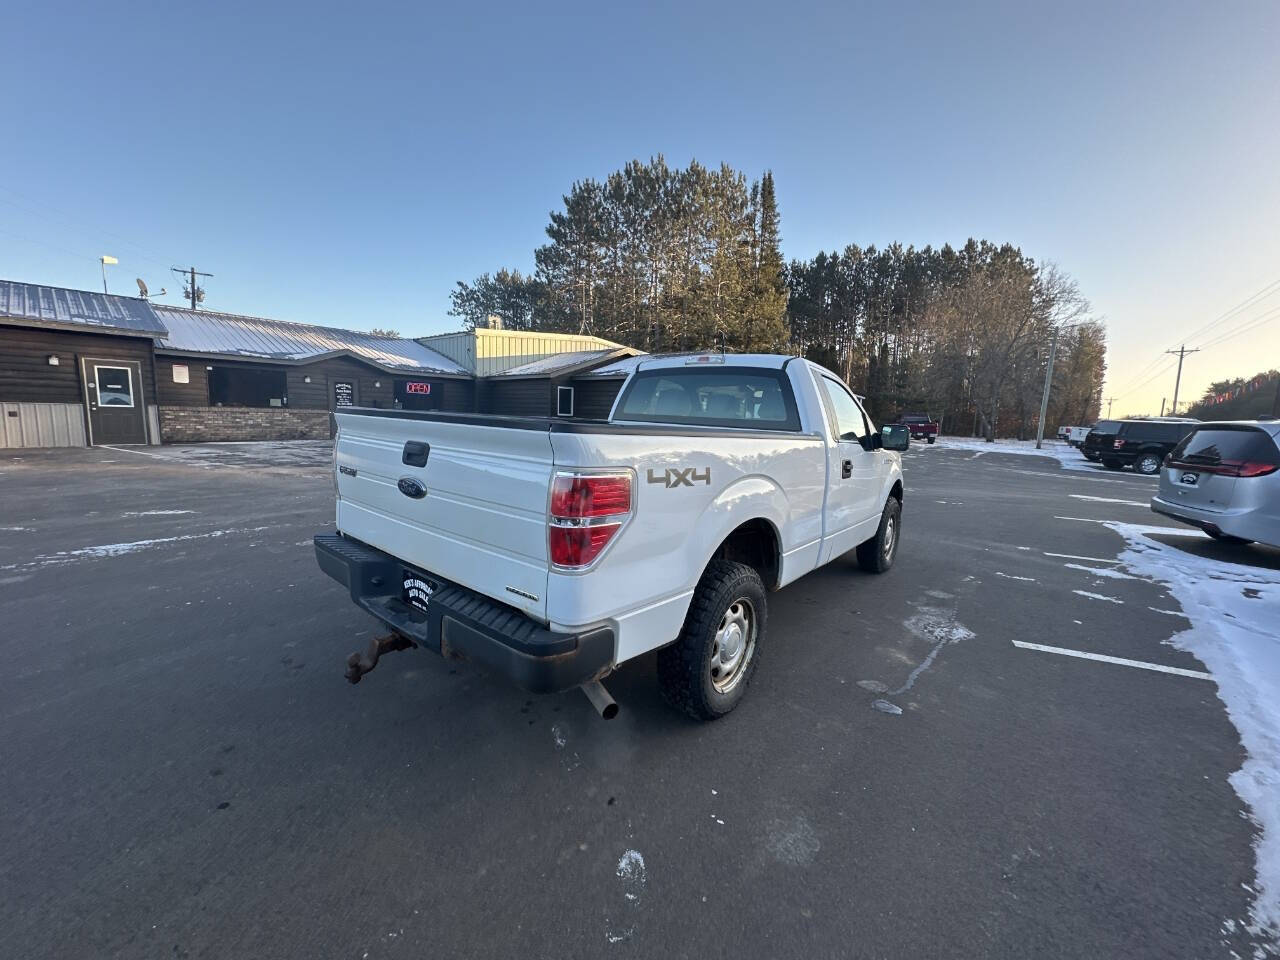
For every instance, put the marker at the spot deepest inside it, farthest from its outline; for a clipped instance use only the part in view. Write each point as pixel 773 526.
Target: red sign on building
pixel 417 386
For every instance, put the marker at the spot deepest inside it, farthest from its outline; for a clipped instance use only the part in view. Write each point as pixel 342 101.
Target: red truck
pixel 921 425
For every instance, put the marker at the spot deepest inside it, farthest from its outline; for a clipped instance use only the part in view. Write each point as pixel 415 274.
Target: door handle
pixel 846 469
pixel 415 454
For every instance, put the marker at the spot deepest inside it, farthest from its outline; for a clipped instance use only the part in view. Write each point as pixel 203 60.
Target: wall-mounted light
pixel 53 360
pixel 208 368
pixel 377 383
pixel 306 379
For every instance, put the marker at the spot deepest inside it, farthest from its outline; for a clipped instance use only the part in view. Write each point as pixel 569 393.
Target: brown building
pixel 221 376
pixel 80 368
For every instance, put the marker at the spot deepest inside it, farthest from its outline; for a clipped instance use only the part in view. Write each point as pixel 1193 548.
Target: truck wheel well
pixel 896 492
pixel 754 543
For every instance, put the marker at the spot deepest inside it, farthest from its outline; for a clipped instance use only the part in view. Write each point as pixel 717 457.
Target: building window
pixel 564 401
pixel 416 394
pixel 113 386
pixel 247 387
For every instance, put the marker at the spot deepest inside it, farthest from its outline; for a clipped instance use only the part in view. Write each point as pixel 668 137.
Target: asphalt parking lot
pixel 189 775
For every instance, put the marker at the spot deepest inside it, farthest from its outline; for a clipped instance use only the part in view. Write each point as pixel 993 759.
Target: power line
pixel 1261 320
pixel 43 210
pixel 1155 376
pixel 1252 300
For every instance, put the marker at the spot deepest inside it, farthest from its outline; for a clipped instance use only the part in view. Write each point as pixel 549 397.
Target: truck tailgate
pixel 483 520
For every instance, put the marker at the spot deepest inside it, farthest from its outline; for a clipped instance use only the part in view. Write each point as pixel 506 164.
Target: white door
pixel 853 512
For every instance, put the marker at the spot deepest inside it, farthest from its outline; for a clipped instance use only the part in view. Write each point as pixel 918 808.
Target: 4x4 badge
pixel 680 476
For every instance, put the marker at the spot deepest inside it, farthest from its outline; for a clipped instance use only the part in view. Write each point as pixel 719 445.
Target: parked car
pixel 1076 435
pixel 553 551
pixel 1099 438
pixel 921 426
pixel 1225 479
pixel 1144 443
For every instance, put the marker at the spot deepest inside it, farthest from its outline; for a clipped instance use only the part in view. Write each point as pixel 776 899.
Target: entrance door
pixel 342 393
pixel 113 394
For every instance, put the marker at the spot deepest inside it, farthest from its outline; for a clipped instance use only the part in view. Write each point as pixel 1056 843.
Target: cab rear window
pixel 723 397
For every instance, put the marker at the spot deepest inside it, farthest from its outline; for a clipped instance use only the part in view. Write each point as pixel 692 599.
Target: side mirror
pixel 895 436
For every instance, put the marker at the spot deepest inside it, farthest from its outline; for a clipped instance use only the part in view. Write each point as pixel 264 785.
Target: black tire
pixel 877 554
pixel 686 668
pixel 1148 463
pixel 931 439
pixel 1228 538
pixel 1113 464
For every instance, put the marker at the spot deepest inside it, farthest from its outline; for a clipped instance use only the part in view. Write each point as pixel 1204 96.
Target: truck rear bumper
pixel 459 622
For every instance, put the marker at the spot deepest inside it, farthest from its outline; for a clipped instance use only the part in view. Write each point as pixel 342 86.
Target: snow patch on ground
pixel 1097 596
pixel 155 513
pixel 1010 576
pixel 107 551
pixel 1068 456
pixel 1234 635
pixel 1101 571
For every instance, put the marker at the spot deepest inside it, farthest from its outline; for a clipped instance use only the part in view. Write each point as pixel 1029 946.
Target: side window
pixel 871 427
pixel 849 420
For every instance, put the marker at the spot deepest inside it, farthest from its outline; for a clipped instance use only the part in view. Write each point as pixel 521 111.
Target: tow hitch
pixel 358 664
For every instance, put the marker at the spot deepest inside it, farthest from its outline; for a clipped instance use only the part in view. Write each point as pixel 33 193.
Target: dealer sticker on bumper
pixel 417 591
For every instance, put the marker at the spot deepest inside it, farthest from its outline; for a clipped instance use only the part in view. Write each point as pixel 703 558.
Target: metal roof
pixel 58 307
pixel 231 335
pixel 619 368
pixel 564 362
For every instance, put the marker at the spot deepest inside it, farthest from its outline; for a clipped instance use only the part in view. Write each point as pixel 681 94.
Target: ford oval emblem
pixel 411 487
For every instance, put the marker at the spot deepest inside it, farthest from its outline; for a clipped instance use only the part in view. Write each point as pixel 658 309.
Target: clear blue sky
pixel 347 163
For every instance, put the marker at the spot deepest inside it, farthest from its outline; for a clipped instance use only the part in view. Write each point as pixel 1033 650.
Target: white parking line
pixel 1103 658
pixel 1082 519
pixel 1127 503
pixel 1072 556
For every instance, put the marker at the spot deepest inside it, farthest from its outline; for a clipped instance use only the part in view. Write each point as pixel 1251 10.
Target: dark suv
pixel 1143 444
pixel 1099 438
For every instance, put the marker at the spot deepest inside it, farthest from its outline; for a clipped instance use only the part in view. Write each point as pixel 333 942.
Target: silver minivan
pixel 1225 479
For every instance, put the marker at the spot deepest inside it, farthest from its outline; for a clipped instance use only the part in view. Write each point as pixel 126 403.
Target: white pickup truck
pixel 555 550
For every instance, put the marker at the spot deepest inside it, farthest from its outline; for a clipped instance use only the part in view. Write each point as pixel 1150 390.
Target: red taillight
pixel 1252 468
pixel 584 495
pixel 1228 468
pixel 578 546
pixel 586 511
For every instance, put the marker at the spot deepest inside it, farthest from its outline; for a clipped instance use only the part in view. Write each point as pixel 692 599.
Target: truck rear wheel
pixel 876 555
pixel 931 439
pixel 706 671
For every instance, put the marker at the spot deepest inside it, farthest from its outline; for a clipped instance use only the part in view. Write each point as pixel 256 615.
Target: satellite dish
pixel 142 289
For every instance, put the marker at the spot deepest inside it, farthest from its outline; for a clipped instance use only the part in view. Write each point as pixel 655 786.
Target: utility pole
pixel 1162 400
pixel 1048 382
pixel 193 292
pixel 1110 400
pixel 1182 352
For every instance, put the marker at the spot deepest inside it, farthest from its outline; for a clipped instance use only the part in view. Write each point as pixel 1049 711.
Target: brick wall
pixel 197 424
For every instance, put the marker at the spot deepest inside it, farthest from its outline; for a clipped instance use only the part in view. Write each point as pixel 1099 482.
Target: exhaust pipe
pixel 600 699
